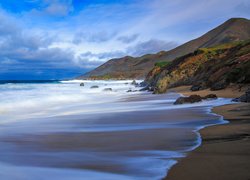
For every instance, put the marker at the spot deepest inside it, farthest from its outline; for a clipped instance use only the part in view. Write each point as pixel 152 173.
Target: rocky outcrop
pixel 244 98
pixel 128 67
pixel 82 84
pixel 210 96
pixel 190 99
pixel 194 99
pixel 213 68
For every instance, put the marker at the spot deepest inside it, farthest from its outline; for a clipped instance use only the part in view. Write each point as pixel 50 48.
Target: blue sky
pixel 55 39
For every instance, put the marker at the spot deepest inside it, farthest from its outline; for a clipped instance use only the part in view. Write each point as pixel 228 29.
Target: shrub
pixel 162 64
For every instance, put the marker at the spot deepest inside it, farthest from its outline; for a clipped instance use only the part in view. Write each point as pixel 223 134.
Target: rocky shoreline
pixel 224 153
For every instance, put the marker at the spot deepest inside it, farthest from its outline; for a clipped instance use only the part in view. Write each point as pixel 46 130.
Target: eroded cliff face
pixel 214 68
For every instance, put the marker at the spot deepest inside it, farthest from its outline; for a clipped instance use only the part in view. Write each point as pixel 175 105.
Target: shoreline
pixel 225 149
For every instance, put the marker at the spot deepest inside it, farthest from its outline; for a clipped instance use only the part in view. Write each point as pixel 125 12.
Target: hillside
pixel 213 68
pixel 234 29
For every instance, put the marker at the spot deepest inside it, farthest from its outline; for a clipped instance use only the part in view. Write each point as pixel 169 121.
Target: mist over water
pixel 65 131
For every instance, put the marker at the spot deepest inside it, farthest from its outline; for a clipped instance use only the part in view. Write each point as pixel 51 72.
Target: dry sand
pixel 225 150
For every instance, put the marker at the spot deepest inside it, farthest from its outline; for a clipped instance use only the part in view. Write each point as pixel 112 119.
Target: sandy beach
pixel 225 149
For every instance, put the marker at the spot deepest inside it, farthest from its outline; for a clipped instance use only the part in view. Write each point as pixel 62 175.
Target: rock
pixel 219 85
pixel 199 86
pixel 107 89
pixel 195 87
pixel 93 87
pixel 244 98
pixel 210 96
pixel 130 90
pixel 144 89
pixel 134 83
pixel 82 84
pixel 190 99
pixel 143 84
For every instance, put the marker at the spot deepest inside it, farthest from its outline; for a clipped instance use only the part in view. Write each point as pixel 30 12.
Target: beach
pixel 72 132
pixel 225 149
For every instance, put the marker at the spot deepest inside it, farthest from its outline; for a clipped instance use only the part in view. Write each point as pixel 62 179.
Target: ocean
pixel 61 130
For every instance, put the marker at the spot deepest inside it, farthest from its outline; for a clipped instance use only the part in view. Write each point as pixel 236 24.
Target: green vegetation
pixel 106 77
pixel 162 64
pixel 221 48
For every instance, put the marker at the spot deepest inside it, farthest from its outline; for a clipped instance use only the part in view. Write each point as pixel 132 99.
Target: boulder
pixel 93 87
pixel 107 89
pixel 244 98
pixel 219 85
pixel 210 96
pixel 82 84
pixel 195 87
pixel 190 99
pixel 134 83
pixel 130 90
pixel 144 84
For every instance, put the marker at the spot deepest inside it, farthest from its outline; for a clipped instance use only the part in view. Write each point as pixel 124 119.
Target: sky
pixel 61 39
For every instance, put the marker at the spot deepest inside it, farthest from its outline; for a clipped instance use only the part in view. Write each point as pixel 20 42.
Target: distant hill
pixel 234 29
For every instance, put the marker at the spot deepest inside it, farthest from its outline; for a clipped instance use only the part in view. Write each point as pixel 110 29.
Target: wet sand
pixel 139 144
pixel 225 150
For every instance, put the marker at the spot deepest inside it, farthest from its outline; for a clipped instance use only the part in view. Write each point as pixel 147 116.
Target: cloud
pixel 150 46
pixel 95 37
pixel 29 51
pixel 91 60
pixel 56 8
pixel 128 39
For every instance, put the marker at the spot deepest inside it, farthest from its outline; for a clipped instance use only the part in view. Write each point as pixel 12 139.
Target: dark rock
pixel 147 88
pixel 199 86
pixel 244 98
pixel 130 90
pixel 144 89
pixel 196 87
pixel 210 96
pixel 107 89
pixel 134 83
pixel 236 100
pixel 93 87
pixel 82 84
pixel 143 84
pixel 190 99
pixel 219 85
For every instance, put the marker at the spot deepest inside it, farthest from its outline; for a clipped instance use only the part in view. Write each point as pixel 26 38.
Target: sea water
pixel 61 130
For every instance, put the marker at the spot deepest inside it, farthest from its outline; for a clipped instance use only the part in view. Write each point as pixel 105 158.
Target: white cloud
pixel 52 34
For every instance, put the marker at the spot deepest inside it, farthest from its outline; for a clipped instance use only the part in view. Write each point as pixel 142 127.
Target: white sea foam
pixel 19 101
pixel 48 106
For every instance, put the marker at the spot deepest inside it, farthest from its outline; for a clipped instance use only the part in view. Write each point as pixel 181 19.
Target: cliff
pixel 215 68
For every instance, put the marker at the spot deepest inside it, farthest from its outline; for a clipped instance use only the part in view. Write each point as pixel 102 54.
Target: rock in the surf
pixel 190 99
